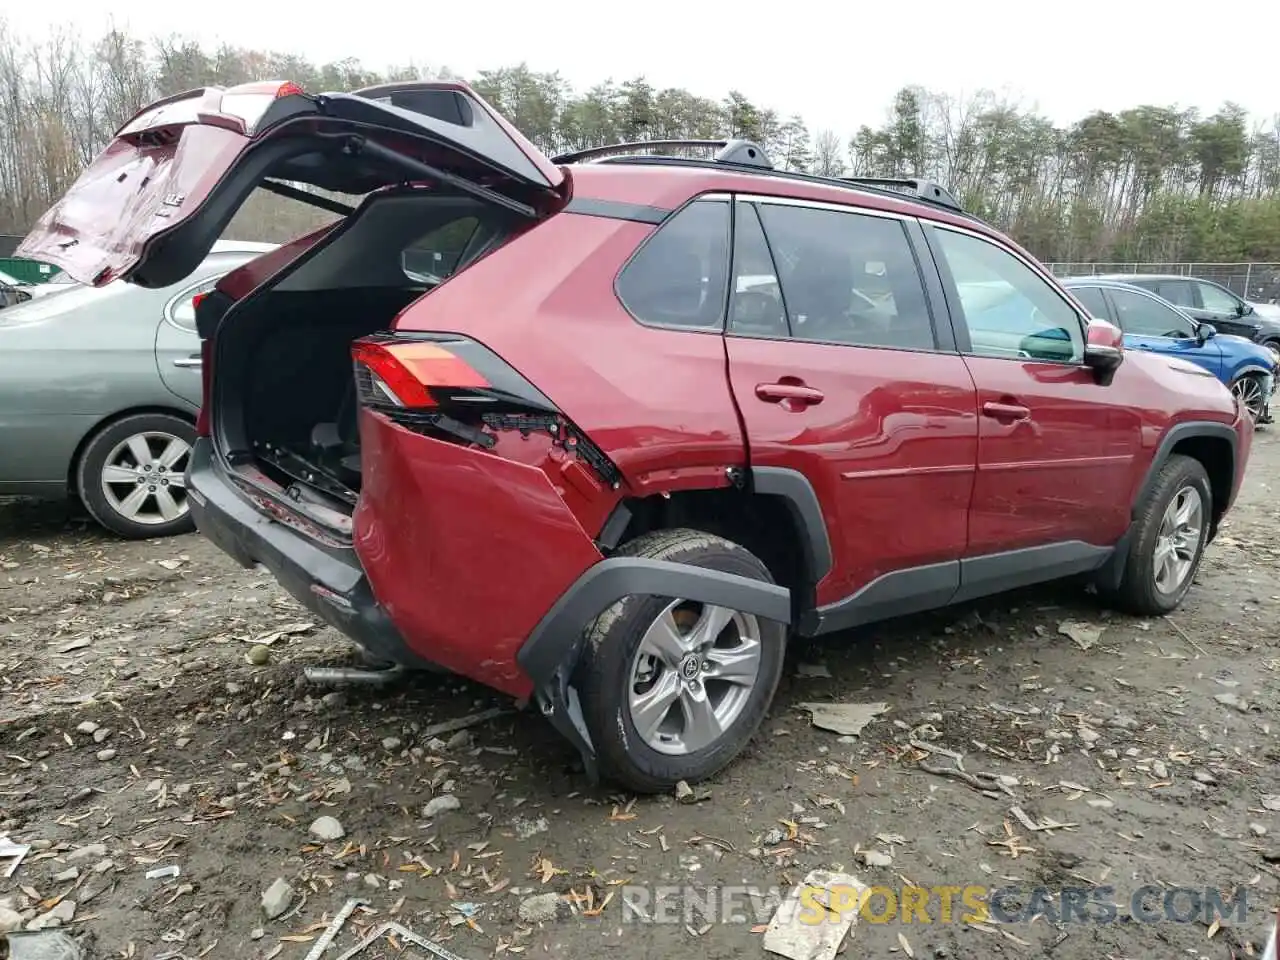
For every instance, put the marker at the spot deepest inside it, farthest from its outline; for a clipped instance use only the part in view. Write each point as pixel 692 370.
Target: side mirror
pixel 1244 309
pixel 1103 350
pixel 1206 331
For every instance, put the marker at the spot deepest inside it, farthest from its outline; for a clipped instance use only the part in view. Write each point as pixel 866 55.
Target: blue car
pixel 1152 323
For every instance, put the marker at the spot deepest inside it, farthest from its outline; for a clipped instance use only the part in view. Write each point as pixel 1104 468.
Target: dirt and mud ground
pixel 135 734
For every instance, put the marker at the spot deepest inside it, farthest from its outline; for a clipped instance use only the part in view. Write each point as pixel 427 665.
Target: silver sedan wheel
pixel 1178 541
pixel 144 478
pixel 692 675
pixel 1249 391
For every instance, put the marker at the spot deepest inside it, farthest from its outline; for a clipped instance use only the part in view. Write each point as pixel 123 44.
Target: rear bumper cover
pixel 327 581
pixel 332 583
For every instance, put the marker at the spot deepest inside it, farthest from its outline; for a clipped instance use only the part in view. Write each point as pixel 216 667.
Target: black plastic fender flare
pixel 796 490
pixel 555 641
pixel 550 654
pixel 1112 571
pixel 1174 435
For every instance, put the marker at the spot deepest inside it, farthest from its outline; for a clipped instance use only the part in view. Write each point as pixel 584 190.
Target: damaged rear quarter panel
pixel 465 550
pixel 656 401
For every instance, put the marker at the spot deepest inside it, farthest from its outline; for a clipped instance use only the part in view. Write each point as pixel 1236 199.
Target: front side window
pixel 1145 316
pixel 1009 309
pixel 848 278
pixel 679 277
pixel 1216 300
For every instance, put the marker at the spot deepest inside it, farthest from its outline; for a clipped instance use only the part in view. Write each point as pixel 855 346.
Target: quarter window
pixel 1009 309
pixel 182 308
pixel 847 278
pixel 1093 300
pixel 679 277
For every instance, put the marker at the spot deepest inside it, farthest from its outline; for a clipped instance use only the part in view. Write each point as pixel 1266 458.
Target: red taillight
pixel 404 373
pixel 206 380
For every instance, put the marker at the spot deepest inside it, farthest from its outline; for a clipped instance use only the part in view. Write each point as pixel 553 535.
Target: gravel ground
pixel 135 733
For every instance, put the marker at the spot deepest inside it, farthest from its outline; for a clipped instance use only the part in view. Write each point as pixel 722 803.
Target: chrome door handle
pixel 189 362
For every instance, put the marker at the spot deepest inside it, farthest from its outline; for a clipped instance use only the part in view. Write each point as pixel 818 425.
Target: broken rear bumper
pixel 328 581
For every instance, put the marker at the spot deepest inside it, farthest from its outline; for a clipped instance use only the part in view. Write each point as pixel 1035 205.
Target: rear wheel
pixel 131 476
pixel 1251 391
pixel 673 689
pixel 1170 534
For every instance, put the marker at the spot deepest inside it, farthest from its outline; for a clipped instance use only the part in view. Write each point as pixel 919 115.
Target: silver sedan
pixel 99 391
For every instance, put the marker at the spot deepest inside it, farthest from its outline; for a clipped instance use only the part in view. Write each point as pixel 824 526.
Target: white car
pixel 1269 310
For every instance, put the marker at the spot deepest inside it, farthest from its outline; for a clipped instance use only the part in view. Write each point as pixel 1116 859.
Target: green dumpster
pixel 28 271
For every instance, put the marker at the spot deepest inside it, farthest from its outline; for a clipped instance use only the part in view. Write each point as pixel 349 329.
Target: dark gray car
pixel 99 390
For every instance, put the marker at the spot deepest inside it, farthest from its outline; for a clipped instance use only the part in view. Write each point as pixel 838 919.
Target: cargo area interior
pixel 285 397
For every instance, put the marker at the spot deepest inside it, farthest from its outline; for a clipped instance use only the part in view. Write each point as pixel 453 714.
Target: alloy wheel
pixel 1178 540
pixel 692 675
pixel 1249 392
pixel 144 478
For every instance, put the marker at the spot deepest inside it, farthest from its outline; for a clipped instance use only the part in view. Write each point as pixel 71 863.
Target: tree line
pixel 1151 183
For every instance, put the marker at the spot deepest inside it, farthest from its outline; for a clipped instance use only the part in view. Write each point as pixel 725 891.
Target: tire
pixel 1180 480
pixel 1251 389
pixel 114 451
pixel 613 668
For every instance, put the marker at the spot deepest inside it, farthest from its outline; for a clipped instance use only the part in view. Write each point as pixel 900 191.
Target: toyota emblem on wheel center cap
pixel 691 667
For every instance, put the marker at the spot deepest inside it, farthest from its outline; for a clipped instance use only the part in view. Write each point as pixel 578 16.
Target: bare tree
pixel 828 154
pixel 1147 183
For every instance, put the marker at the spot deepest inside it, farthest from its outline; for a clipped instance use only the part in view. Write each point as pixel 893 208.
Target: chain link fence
pixel 1257 282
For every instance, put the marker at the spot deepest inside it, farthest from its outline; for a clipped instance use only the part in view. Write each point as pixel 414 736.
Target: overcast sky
pixel 836 69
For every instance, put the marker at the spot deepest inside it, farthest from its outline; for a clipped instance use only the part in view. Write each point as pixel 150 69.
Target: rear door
pixel 150 207
pixel 177 340
pixel 842 375
pixel 1055 448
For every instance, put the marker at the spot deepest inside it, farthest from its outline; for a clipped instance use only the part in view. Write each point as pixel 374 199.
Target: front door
pixel 1224 310
pixel 1055 448
pixel 1149 323
pixel 841 374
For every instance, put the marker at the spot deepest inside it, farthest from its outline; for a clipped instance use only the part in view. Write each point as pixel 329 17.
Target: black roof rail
pixel 747 155
pixel 740 152
pixel 912 187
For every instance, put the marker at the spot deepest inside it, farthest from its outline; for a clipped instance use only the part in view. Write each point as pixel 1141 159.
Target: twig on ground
pixel 1186 636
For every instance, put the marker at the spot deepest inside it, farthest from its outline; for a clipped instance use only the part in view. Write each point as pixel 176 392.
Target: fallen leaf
pixel 847 719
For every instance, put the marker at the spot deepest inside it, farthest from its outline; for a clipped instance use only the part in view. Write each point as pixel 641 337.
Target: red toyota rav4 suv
pixel 603 430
